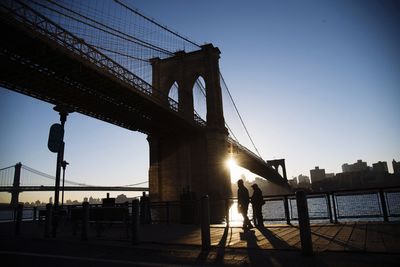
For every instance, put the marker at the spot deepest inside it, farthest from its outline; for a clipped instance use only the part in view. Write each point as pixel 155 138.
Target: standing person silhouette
pixel 243 204
pixel 257 201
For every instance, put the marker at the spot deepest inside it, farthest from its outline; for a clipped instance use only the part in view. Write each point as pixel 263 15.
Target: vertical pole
pixel 47 226
pixel 227 206
pixel 329 207
pixel 304 224
pixel 334 208
pixel 135 222
pixel 205 223
pixel 383 205
pixel 34 215
pixel 15 190
pixel 18 221
pixel 85 220
pixel 286 206
pixel 167 210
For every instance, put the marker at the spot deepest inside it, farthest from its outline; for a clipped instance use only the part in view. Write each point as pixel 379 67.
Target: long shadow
pixel 275 241
pixel 219 259
pixel 256 256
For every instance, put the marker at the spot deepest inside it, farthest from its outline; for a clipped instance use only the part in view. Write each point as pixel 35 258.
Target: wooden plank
pixel 339 241
pixel 327 234
pixel 391 237
pixel 374 240
pixel 357 239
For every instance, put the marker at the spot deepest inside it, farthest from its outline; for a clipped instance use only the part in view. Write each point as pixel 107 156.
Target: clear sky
pixel 316 82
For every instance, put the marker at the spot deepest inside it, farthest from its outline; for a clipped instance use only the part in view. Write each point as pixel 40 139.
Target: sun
pixel 231 163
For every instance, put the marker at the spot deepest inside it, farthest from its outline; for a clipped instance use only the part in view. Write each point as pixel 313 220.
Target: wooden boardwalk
pixel 377 237
pixel 357 237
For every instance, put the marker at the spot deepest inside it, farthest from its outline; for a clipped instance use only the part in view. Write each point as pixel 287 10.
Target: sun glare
pixel 231 163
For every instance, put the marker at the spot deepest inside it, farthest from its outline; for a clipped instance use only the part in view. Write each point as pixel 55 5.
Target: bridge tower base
pixel 192 163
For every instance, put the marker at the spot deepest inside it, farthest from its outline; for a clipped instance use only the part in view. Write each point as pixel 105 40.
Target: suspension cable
pixel 156 23
pixel 240 117
pixel 121 35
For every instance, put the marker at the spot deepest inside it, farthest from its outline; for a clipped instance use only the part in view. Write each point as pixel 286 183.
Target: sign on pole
pixel 56 137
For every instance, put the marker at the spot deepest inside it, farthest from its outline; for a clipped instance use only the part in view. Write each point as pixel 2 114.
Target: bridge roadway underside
pixel 34 65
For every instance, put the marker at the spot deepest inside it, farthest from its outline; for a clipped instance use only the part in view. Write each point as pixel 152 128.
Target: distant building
pixel 293 182
pixel 303 179
pixel 329 175
pixel 396 167
pixel 317 174
pixel 380 167
pixel 359 166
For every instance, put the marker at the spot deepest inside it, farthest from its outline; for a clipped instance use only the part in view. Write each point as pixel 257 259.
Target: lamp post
pixel 64 166
pixel 56 144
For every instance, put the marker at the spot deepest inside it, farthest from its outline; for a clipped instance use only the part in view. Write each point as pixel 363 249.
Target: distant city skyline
pixel 317 83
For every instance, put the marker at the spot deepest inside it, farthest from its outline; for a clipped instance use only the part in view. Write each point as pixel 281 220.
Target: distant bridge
pixel 73 188
pixel 20 178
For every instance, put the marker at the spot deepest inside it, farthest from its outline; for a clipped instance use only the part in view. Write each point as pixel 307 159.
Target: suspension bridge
pixel 21 178
pixel 112 63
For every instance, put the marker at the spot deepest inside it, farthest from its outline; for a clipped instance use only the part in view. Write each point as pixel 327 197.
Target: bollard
pixel 34 215
pixel 135 222
pixel 85 221
pixel 286 207
pixel 47 226
pixel 205 223
pixel 304 224
pixel 18 220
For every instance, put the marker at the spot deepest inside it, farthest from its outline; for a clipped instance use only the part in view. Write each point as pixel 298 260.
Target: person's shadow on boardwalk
pixel 256 256
pixel 275 241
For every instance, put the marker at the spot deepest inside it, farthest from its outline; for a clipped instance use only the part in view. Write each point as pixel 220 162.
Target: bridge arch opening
pixel 199 98
pixel 173 92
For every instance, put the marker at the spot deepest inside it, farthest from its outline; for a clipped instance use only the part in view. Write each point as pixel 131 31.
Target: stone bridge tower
pixel 194 162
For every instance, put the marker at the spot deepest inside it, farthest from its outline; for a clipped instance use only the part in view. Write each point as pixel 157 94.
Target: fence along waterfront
pixel 345 205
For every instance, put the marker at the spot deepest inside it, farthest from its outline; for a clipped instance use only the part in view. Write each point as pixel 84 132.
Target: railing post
pixel 18 221
pixel 334 208
pixel 49 215
pixel 34 215
pixel 304 223
pixel 383 205
pixel 205 223
pixel 85 221
pixel 227 206
pixel 135 222
pixel 167 211
pixel 286 206
pixel 329 207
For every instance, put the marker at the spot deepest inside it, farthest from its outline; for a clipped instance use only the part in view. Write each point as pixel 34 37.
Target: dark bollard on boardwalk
pixel 18 221
pixel 49 215
pixel 304 224
pixel 85 221
pixel 205 223
pixel 135 222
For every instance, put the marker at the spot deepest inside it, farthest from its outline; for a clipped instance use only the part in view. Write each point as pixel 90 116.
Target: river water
pixel 358 207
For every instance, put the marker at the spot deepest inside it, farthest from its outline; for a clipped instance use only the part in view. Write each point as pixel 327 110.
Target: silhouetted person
pixel 243 203
pixel 257 201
